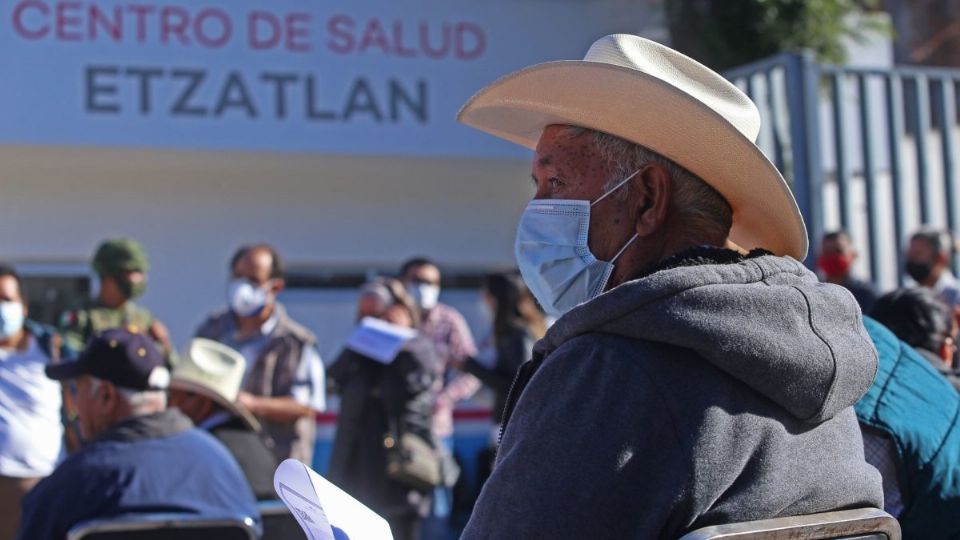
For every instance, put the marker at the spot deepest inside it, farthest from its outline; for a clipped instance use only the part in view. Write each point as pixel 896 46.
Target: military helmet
pixel 119 255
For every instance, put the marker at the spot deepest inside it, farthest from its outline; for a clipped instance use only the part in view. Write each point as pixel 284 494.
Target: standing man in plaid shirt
pixel 448 331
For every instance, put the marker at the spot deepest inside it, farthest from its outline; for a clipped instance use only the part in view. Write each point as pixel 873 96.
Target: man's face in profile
pixel 95 404
pixel 571 168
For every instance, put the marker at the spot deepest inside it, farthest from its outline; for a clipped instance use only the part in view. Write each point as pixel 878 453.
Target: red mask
pixel 834 265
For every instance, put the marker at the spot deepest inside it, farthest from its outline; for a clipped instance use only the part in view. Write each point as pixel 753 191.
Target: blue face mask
pixel 554 258
pixel 246 299
pixel 11 318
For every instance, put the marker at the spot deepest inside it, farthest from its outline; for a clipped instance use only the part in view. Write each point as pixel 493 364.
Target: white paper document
pixel 379 339
pixel 324 511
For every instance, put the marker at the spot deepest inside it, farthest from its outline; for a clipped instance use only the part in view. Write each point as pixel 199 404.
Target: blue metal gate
pixel 872 151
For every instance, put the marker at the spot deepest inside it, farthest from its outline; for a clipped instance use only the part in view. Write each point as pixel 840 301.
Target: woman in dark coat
pixel 380 402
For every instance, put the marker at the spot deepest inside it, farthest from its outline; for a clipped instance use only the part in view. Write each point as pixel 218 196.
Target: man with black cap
pixel 121 265
pixel 139 455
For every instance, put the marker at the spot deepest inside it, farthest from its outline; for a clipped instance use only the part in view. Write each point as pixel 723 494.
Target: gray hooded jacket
pixel 716 390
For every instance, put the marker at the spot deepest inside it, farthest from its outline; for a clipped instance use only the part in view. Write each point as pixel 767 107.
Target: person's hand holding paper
pixel 379 339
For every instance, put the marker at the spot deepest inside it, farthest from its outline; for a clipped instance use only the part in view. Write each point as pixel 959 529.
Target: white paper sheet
pixel 378 339
pixel 324 511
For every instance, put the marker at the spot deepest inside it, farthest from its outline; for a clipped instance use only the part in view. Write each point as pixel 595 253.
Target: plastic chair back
pixel 860 524
pixel 164 527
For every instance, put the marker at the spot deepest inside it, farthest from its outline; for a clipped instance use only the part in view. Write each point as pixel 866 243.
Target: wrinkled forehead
pixel 564 145
pixel 567 164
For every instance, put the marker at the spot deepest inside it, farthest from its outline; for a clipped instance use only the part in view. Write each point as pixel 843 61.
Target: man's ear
pixel 656 188
pixel 108 392
pixel 943 259
pixel 278 285
pixel 946 351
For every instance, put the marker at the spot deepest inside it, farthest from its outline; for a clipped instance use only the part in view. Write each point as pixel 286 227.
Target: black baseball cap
pixel 126 359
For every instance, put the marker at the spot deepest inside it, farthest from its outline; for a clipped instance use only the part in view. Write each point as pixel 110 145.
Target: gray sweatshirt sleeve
pixel 572 462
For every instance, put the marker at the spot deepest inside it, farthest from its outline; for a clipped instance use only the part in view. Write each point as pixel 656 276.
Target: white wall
pixel 72 174
pixel 192 209
pixel 67 84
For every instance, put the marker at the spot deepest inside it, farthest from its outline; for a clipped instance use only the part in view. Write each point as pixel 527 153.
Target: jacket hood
pixel 764 320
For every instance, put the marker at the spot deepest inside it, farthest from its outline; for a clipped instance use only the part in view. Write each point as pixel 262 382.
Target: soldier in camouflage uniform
pixel 122 266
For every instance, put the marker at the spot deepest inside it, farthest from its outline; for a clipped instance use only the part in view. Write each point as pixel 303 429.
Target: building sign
pixel 365 77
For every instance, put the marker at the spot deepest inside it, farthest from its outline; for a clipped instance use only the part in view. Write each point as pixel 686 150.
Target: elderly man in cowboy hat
pixel 697 373
pixel 204 387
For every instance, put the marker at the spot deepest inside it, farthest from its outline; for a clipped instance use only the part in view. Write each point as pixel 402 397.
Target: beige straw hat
pixel 650 94
pixel 213 370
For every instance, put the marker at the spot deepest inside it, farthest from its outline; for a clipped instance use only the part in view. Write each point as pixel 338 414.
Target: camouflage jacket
pixel 81 324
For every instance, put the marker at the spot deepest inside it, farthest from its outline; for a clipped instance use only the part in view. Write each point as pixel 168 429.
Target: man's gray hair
pixel 140 402
pixel 702 207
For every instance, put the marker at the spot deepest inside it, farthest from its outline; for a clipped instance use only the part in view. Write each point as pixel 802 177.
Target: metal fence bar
pixel 794 120
pixel 902 71
pixel 893 86
pixel 869 176
pixel 921 124
pixel 747 70
pixel 775 121
pixel 803 85
pixel 946 117
pixel 837 87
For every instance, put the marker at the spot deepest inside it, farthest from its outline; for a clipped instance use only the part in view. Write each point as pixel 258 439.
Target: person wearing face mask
pixel 381 400
pixel 284 382
pixel 121 266
pixel 928 264
pixel 697 372
pixel 837 256
pixel 31 435
pixel 451 337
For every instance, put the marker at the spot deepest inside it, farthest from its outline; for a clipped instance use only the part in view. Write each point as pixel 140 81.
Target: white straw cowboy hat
pixel 213 370
pixel 651 95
